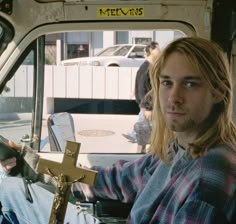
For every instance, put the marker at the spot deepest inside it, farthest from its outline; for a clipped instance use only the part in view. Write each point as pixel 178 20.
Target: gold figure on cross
pixel 65 174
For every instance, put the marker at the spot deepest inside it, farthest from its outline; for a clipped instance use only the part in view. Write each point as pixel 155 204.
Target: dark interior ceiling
pixel 224 23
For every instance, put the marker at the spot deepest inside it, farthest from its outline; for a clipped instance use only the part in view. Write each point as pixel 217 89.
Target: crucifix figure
pixel 65 174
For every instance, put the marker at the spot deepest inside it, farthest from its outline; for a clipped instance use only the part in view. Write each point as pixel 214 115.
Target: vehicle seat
pixel 108 211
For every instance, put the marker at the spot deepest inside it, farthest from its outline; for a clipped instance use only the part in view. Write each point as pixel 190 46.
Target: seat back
pixel 60 129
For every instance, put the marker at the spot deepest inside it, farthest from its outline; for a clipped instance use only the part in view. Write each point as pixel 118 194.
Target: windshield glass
pixel 98 95
pixel 122 51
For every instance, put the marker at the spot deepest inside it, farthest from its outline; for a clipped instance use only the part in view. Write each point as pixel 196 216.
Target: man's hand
pixel 17 147
pixel 8 164
pixel 148 115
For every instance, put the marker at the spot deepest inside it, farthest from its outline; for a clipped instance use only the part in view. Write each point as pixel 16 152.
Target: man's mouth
pixel 175 113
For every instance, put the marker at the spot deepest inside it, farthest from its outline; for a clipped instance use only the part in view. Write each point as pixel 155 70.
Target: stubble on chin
pixel 181 127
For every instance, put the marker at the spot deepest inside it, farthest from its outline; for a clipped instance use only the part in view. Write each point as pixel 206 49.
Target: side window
pixel 138 52
pixel 16 102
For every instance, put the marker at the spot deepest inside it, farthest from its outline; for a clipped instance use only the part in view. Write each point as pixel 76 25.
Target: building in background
pixel 83 44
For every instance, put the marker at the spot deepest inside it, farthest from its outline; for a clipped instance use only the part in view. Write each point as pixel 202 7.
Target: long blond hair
pixel 208 58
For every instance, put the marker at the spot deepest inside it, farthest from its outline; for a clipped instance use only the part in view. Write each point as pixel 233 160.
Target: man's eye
pixel 190 84
pixel 166 83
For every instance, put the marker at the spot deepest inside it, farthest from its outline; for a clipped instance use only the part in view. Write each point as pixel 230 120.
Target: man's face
pixel 155 52
pixel 184 95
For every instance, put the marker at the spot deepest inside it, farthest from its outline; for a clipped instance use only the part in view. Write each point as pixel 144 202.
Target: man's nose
pixel 175 95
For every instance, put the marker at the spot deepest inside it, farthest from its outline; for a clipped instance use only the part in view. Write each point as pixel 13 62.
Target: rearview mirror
pixel 6 34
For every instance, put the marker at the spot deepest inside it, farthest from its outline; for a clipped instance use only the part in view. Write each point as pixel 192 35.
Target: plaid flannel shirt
pixel 187 191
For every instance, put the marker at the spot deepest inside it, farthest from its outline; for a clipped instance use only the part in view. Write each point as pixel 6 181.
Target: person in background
pixel 189 176
pixel 142 87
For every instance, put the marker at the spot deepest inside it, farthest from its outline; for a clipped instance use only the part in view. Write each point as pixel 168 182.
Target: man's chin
pixel 176 128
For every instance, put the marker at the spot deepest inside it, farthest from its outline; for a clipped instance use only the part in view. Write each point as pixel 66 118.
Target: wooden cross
pixel 65 174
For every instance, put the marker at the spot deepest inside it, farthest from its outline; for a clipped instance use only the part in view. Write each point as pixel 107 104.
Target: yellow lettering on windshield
pixel 120 12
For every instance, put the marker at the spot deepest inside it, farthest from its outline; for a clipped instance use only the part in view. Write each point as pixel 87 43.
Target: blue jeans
pixel 17 210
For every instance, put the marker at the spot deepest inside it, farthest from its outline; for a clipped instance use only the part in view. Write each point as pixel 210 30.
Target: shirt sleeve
pixel 121 182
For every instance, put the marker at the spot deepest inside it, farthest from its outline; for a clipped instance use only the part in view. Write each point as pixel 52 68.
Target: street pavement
pixel 96 133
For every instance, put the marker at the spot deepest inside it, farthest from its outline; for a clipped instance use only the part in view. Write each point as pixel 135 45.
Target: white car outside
pixel 121 55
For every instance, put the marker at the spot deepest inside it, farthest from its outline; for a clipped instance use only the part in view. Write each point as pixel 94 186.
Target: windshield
pixel 115 51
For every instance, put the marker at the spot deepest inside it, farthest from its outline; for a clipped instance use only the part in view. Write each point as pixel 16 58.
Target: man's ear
pixel 217 98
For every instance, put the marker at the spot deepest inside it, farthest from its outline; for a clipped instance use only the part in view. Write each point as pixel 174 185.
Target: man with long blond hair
pixel 213 128
pixel 190 174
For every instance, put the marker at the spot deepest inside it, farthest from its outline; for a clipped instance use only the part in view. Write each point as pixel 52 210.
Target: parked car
pixel 121 55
